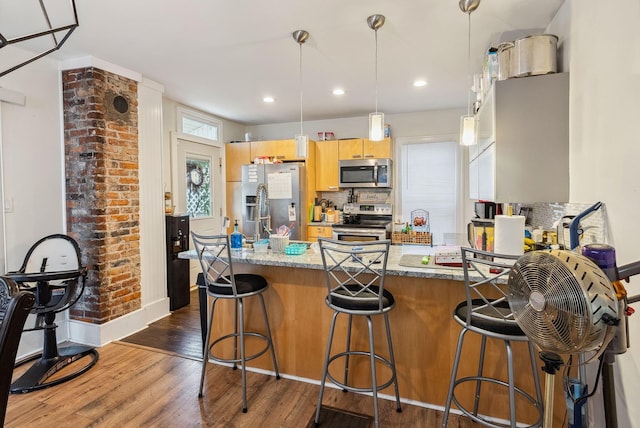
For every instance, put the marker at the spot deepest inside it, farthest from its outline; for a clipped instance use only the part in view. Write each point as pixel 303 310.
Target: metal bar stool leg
pixel 454 374
pixel 242 357
pixel 205 353
pixel 512 388
pixel 374 379
pixel 266 322
pixel 392 359
pixel 476 402
pixel 348 349
pixel 325 368
pixel 235 333
pixel 536 377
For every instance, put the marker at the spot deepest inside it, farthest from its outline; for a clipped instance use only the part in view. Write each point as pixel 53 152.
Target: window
pixel 198 187
pixel 428 173
pixel 201 125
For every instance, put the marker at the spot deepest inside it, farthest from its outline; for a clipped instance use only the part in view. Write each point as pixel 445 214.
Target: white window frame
pixel 461 174
pixel 185 112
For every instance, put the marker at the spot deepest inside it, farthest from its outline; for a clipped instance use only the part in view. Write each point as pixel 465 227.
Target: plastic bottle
pixel 236 239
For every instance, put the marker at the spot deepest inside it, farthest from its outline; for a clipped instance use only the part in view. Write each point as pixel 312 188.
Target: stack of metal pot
pixel 528 56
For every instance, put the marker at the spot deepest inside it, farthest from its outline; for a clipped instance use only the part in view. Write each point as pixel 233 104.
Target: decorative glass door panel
pixel 199 187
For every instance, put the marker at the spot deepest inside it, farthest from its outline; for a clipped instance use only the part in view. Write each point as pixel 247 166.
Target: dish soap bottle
pixel 236 239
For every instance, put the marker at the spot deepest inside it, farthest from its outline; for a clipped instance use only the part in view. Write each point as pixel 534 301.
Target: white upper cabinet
pixel 523 142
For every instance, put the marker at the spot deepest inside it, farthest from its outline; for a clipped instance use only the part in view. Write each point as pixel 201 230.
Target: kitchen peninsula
pixel 423 330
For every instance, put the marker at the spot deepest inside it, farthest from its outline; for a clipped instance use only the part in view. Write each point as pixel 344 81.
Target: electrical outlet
pixel 8 205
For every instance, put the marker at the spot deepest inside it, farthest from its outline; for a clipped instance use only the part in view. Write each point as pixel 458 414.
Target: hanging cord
pixel 376 69
pixel 469 67
pixel 301 132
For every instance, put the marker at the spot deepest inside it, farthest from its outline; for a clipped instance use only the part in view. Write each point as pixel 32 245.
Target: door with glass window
pixel 197 183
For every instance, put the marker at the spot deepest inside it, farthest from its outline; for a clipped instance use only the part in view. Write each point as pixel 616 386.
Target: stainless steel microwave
pixel 365 173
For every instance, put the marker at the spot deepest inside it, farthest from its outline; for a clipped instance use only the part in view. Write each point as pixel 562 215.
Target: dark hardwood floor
pixel 151 380
pixel 178 333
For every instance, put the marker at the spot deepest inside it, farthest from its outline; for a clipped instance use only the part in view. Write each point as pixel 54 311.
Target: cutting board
pixel 415 261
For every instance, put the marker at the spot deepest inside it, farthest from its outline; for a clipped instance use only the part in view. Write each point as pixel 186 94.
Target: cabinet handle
pixel 356 156
pixel 368 156
pixel 333 187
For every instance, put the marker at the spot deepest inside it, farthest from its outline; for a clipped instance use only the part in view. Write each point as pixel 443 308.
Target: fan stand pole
pixel 552 363
pixel 608 391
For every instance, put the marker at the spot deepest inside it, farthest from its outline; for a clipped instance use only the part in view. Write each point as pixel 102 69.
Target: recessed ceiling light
pixel 268 99
pixel 338 91
pixel 420 83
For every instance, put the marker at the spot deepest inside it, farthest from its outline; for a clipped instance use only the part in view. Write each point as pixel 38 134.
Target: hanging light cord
pixel 469 68
pixel 301 132
pixel 376 69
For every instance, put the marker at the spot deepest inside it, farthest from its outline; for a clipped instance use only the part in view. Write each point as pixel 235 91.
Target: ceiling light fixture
pixel 420 83
pixel 469 122
pixel 268 99
pixel 376 120
pixel 302 141
pixel 338 92
pixel 49 31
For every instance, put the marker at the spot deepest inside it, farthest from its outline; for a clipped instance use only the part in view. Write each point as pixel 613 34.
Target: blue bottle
pixel 236 239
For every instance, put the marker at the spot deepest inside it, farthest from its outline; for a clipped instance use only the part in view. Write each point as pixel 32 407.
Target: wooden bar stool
pixel 214 254
pixel 486 312
pixel 354 273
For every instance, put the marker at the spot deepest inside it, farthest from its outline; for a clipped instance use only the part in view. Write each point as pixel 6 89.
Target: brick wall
pixel 102 189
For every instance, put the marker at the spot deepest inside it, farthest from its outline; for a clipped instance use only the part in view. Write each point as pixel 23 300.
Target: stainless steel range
pixel 364 222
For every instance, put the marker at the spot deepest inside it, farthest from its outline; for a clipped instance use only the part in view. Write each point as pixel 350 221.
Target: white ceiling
pixel 223 56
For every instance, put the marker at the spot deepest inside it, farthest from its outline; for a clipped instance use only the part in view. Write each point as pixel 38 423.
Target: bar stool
pixel 214 254
pixel 354 273
pixel 486 312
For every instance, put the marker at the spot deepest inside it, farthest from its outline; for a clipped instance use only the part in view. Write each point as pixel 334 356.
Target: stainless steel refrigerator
pixel 273 195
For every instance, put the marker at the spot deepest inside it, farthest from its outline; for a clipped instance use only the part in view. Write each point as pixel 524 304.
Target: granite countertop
pixel 311 260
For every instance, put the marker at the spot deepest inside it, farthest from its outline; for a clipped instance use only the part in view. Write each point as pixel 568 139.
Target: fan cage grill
pixel 576 294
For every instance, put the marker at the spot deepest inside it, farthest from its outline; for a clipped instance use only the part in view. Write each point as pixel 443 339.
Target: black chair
pixel 486 312
pixel 354 274
pixel 214 254
pixel 14 310
pixel 53 271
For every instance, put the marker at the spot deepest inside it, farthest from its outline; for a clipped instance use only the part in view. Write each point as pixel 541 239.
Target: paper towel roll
pixel 509 234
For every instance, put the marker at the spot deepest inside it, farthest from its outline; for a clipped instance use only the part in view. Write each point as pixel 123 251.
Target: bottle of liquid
pixel 236 239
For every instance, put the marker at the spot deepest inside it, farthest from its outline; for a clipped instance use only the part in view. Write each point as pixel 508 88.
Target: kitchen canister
pixel 509 235
pixel 534 55
pixel 505 51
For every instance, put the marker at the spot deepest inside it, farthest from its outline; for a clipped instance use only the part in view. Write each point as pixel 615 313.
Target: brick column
pixel 102 189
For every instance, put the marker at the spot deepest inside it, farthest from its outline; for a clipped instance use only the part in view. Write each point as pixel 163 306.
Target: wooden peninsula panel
pixel 423 332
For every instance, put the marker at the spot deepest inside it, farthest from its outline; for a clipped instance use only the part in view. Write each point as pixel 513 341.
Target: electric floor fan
pixel 565 304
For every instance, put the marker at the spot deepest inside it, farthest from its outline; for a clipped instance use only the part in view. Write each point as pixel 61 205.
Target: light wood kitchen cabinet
pixel 327 178
pixel 361 148
pixel 279 149
pixel 523 142
pixel 315 232
pixel 236 155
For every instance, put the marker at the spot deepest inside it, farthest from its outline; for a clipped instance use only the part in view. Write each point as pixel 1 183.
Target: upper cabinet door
pixel 279 149
pixel 376 149
pixel 350 149
pixel 327 165
pixel 236 155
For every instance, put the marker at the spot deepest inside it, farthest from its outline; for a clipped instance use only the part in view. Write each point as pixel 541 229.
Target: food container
pixel 278 243
pixel 295 249
pixel 534 55
pixel 261 246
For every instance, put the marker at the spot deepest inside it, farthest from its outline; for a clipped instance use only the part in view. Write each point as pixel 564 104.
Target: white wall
pixel 428 123
pixel 605 86
pixel 33 155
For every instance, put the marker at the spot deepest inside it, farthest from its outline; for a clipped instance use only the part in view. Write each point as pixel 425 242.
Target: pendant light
pixel 469 122
pixel 302 141
pixel 376 120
